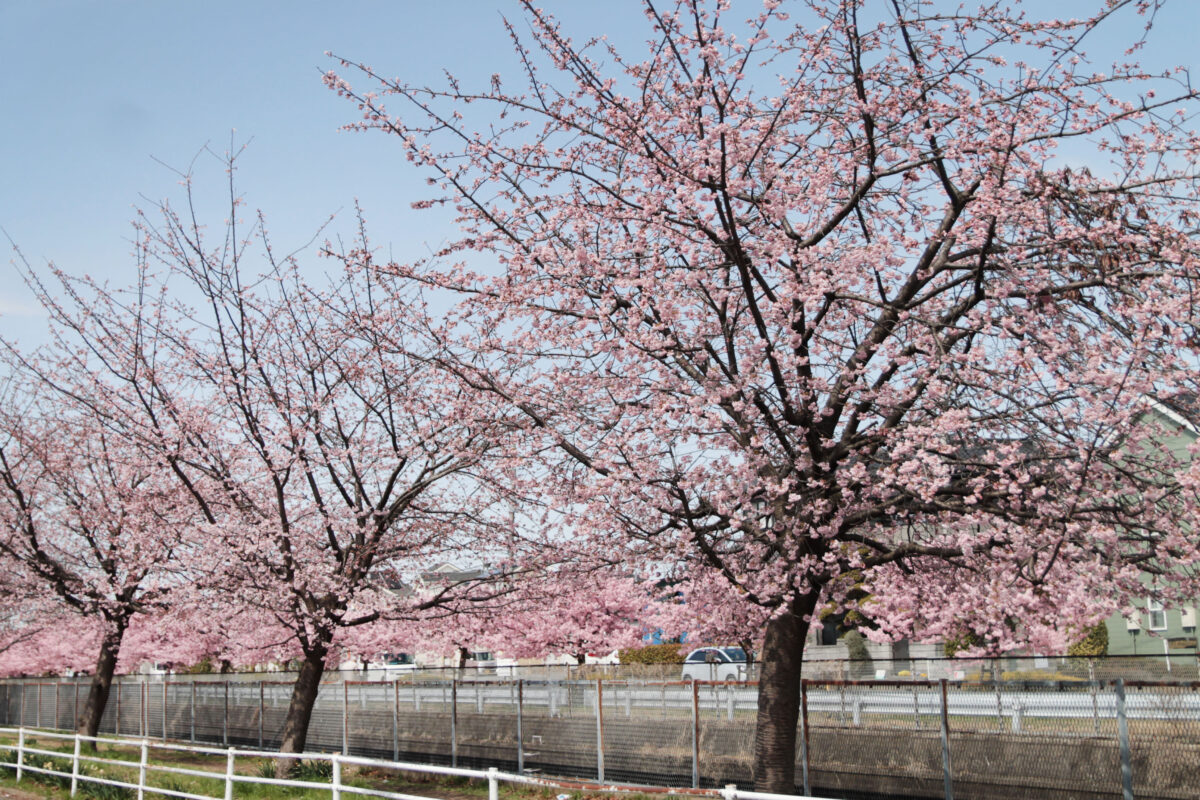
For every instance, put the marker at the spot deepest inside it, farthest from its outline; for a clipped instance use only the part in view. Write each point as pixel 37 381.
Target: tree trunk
pixel 304 696
pixel 88 722
pixel 779 699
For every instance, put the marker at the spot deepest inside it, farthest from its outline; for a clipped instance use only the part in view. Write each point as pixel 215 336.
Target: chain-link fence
pixel 1176 666
pixel 967 738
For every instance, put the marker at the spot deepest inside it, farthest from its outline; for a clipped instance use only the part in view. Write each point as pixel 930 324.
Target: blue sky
pixel 96 94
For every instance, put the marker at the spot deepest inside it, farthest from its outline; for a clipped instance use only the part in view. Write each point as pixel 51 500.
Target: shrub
pixel 652 654
pixel 167 785
pixel 856 646
pixel 963 641
pixel 202 667
pixel 56 764
pixel 314 771
pixel 104 791
pixel 1094 642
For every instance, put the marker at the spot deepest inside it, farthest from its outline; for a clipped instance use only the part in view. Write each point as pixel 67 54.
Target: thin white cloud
pixel 20 307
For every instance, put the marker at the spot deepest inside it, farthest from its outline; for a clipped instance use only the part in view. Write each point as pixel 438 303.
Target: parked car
pixel 716 664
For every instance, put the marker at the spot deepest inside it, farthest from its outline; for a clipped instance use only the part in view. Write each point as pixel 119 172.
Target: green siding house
pixel 1157 630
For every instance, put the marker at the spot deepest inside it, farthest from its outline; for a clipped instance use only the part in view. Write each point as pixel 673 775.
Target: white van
pixel 716 664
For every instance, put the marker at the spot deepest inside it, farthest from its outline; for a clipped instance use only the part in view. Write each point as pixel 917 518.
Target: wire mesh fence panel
pixel 558 729
pixel 640 745
pixel 209 718
pixel 880 739
pixel 108 717
pixel 1056 743
pixel 486 725
pixel 370 719
pixel 325 733
pixel 1164 738
pixel 20 704
pixel 23 708
pixel 243 714
pixel 16 704
pixel 45 698
pixel 276 696
pixel 1024 739
pixel 64 706
pixel 725 733
pixel 178 707
pixel 152 716
pixel 423 722
pixel 129 708
pixel 79 692
pixel 1174 667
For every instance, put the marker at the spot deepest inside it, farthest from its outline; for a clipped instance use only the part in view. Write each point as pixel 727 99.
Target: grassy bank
pixel 121 763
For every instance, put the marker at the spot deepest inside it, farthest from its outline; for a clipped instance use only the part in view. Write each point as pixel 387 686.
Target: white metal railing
pixel 336 786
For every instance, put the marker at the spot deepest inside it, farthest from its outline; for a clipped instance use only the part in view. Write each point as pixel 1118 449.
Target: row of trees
pixel 860 308
pixel 227 460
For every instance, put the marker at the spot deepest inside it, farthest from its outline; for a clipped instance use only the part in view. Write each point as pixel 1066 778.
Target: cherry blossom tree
pixel 326 468
pixel 876 291
pixel 562 610
pixel 24 616
pixel 90 525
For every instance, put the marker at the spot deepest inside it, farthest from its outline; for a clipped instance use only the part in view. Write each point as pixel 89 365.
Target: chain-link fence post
pixel 262 712
pixel 600 729
pixel 999 702
pixel 804 736
pixel 345 718
pixel 1123 736
pixel 166 693
pixel 37 714
pixel 454 722
pixel 1095 690
pixel 225 718
pixel 946 770
pixel 193 714
pixel 695 735
pixel 143 719
pixel 118 724
pixel 75 710
pixel 520 734
pixel 396 719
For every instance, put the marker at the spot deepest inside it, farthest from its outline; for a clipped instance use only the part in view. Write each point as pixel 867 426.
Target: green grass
pixel 122 763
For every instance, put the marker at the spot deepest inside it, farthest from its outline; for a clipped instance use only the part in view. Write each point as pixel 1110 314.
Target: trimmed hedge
pixel 653 654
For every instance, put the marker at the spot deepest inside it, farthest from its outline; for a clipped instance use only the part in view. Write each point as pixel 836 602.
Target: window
pixel 1156 615
pixel 697 657
pixel 735 654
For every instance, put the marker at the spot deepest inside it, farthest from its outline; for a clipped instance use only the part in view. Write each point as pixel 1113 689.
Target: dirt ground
pixel 19 794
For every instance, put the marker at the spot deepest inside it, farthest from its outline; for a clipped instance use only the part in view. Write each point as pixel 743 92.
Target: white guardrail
pixel 336 786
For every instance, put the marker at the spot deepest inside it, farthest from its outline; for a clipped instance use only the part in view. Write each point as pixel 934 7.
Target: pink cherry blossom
pixel 857 307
